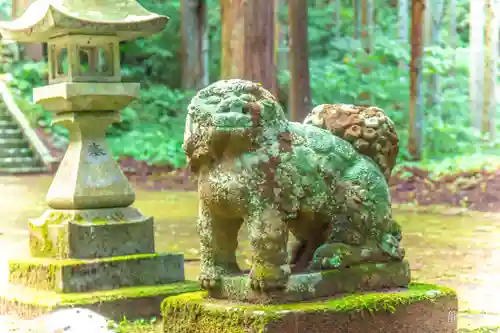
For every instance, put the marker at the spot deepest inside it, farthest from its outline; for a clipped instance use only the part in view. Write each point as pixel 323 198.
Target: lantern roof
pixel 45 19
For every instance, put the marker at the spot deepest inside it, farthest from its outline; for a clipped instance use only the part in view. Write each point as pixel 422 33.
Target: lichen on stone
pixel 256 168
pixel 194 312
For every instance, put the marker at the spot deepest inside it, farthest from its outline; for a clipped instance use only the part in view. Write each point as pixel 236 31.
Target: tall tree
pixel 194 44
pixel 403 20
pixel 476 61
pixel 452 10
pixel 403 33
pixel 490 102
pixel 248 41
pixel 357 4
pixel 337 18
pixel 300 91
pixel 363 16
pixel 280 38
pixel 436 10
pixel 416 111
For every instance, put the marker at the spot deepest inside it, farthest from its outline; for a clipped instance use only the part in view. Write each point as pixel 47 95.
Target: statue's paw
pixel 333 262
pixel 272 280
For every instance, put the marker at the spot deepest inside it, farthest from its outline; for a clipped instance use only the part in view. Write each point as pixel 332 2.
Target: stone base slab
pixel 418 309
pixel 132 302
pixel 313 285
pixel 91 233
pixel 72 275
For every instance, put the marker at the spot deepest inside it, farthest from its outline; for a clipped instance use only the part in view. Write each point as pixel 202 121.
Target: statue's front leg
pixel 218 243
pixel 209 275
pixel 268 236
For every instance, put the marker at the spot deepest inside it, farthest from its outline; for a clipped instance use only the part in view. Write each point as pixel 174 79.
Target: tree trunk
pixel 300 91
pixel 416 111
pixel 280 41
pixel 436 10
pixel 453 32
pixel 337 19
pixel 427 22
pixel 491 65
pixel 403 20
pixel 357 19
pixel 476 61
pixel 363 13
pixel 248 42
pixel 194 44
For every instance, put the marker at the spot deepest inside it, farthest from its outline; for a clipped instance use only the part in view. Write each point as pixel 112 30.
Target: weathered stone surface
pixel 314 285
pixel 49 18
pixel 367 128
pixel 256 168
pixel 86 96
pixel 70 275
pixel 88 176
pixel 92 233
pixel 131 302
pixel 418 309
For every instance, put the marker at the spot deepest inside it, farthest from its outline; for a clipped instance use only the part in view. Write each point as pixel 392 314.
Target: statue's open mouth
pixel 232 121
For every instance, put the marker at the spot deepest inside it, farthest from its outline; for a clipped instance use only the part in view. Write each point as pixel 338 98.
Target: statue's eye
pixel 213 100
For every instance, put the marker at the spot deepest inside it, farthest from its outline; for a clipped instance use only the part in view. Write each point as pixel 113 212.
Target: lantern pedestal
pixel 91 248
pixel 102 259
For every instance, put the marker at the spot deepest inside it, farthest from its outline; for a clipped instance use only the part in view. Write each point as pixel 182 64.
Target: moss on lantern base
pixel 79 275
pixel 131 302
pixel 419 308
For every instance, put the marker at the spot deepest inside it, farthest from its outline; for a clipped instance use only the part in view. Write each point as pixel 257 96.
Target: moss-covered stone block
pixel 420 308
pixel 72 275
pixel 131 302
pixel 91 233
pixel 313 285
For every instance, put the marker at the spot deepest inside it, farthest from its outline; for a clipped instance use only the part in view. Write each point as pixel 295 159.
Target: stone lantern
pixel 90 239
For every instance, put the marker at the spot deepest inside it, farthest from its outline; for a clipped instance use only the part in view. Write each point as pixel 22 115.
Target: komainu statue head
pixel 226 118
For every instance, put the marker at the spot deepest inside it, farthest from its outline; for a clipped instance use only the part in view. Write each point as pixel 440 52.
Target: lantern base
pixel 91 233
pixel 131 302
pixel 74 275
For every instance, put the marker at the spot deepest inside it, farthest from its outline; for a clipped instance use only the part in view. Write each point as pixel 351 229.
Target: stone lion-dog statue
pixel 325 181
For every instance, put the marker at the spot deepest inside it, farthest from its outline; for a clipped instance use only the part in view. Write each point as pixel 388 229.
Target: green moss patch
pixel 51 299
pixel 193 311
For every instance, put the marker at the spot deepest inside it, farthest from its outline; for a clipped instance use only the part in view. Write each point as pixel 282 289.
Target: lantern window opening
pixel 84 58
pixel 62 62
pixel 96 60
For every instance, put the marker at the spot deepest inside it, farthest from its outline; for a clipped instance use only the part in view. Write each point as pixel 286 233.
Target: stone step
pixel 13 143
pixel 4 116
pixel 8 124
pixel 16 152
pixel 18 162
pixel 11 133
pixel 24 169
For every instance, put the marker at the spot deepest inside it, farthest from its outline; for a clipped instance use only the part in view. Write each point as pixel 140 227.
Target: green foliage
pixel 137 326
pixel 152 127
